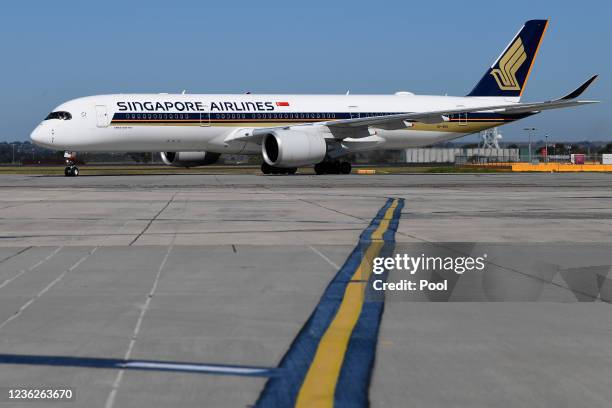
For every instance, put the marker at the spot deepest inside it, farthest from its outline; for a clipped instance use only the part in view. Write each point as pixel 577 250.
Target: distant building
pixel 459 155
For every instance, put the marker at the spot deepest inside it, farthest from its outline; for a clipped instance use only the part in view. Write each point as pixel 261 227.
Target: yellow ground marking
pixel 320 382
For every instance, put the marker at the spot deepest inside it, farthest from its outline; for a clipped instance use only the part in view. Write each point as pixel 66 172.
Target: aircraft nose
pixel 40 136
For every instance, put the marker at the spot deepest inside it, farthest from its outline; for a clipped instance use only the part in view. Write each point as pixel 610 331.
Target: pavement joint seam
pixel 187 233
pixel 110 401
pixel 31 268
pixel 325 258
pixel 47 288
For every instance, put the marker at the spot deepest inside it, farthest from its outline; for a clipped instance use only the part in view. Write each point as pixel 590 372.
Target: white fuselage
pixel 184 122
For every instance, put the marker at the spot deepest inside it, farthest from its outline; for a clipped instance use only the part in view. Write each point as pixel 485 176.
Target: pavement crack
pixel 15 254
pixel 330 209
pixel 153 219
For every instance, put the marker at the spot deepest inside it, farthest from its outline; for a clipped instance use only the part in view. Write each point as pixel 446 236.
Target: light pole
pixel 13 145
pixel 546 146
pixel 529 132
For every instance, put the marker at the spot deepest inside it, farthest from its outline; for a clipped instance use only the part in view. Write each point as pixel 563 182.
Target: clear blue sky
pixel 53 51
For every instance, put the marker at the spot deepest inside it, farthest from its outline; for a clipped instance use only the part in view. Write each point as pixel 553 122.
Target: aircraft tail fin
pixel 508 76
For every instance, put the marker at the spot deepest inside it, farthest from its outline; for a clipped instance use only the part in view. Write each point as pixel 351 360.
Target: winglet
pixel 578 91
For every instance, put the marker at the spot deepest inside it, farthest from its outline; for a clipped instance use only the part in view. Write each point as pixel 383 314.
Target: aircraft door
pixel 462 117
pixel 205 117
pixel 101 116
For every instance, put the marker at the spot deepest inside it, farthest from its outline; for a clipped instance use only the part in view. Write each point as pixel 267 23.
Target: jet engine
pixel 293 148
pixel 189 159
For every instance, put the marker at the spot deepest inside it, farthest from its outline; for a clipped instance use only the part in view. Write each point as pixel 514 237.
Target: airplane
pixel 290 131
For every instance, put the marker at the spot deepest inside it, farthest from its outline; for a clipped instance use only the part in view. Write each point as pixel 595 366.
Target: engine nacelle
pixel 189 159
pixel 293 148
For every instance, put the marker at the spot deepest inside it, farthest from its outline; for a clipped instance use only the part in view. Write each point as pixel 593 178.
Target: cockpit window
pixel 59 115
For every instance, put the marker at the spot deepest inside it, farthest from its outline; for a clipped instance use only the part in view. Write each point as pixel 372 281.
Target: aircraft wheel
pixel 333 167
pixel 319 168
pixel 67 171
pixel 345 168
pixel 266 168
pixel 74 171
pixel 292 170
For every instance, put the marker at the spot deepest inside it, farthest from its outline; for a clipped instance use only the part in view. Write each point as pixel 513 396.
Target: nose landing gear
pixel 71 169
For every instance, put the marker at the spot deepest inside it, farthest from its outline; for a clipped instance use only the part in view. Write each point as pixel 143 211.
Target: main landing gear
pixel 333 167
pixel 267 169
pixel 71 169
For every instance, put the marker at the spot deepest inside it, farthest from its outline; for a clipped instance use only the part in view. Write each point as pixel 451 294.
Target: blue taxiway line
pixel 354 379
pixel 148 365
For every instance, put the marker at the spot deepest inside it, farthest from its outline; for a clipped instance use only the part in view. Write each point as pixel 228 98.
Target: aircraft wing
pixel 391 122
pixel 358 127
pixel 398 121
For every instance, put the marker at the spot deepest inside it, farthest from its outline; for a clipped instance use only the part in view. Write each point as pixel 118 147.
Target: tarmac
pixel 215 276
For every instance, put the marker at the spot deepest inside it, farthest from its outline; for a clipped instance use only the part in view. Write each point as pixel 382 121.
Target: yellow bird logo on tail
pixel 508 65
